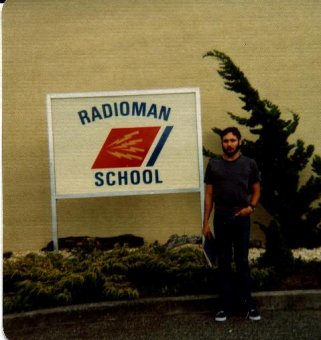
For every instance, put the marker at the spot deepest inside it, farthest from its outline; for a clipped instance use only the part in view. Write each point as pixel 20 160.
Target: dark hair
pixel 235 131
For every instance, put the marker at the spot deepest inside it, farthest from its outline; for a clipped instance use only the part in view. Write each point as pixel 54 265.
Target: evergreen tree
pixel 295 206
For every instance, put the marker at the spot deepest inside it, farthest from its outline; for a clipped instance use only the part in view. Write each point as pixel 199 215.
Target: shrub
pixel 53 279
pixel 265 278
pixel 56 279
pixel 277 254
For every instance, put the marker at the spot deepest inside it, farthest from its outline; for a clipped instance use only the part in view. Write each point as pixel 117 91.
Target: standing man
pixel 233 188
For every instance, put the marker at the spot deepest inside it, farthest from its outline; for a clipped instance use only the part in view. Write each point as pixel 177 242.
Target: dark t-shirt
pixel 231 181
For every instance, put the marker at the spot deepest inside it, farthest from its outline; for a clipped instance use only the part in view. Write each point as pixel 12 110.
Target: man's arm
pixel 256 193
pixel 255 196
pixel 208 207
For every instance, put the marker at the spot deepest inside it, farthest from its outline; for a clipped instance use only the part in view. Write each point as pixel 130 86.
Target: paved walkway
pixel 285 315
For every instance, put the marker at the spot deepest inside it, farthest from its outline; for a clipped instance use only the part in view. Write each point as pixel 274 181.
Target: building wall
pixel 99 45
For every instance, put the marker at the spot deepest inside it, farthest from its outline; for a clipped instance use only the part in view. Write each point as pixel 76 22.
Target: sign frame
pixel 55 196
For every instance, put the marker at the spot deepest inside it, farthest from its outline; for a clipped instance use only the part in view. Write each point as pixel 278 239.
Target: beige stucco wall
pixel 109 45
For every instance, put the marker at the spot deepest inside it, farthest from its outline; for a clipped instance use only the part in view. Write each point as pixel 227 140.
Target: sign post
pixel 124 143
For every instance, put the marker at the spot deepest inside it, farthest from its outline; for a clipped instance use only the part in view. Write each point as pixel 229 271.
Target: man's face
pixel 230 144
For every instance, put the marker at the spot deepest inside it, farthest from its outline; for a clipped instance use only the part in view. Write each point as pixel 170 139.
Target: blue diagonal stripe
pixel 159 146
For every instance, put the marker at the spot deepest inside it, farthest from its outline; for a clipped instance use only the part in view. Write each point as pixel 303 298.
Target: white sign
pixel 124 143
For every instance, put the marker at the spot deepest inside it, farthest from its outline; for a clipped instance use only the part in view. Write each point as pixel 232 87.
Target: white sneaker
pixel 253 314
pixel 221 316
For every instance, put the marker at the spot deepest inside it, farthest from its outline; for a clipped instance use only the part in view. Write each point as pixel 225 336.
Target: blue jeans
pixel 233 235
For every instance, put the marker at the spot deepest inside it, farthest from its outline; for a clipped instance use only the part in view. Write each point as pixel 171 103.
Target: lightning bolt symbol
pixel 126 144
pixel 124 155
pixel 133 149
pixel 125 138
pixel 126 147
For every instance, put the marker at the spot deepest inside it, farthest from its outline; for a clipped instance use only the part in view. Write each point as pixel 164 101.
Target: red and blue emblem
pixel 129 147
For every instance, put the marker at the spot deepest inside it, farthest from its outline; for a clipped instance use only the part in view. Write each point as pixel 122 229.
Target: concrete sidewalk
pixel 293 314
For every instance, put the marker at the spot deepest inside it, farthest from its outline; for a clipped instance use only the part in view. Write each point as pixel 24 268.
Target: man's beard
pixel 231 153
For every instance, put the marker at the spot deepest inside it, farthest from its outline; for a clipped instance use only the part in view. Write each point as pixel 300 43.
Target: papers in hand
pixel 210 249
